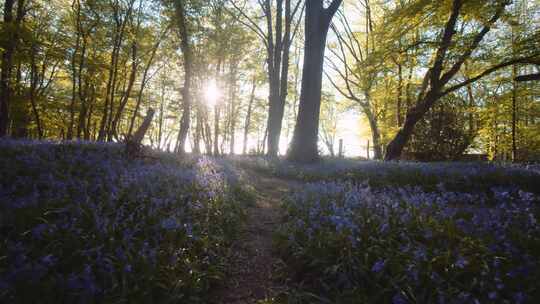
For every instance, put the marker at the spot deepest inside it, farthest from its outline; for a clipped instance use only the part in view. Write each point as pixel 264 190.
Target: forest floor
pixel 251 276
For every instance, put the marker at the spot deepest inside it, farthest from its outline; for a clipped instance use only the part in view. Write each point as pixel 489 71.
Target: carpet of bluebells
pixel 459 176
pixel 413 233
pixel 80 223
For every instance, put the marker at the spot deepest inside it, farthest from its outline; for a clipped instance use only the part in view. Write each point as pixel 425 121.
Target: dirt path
pixel 250 279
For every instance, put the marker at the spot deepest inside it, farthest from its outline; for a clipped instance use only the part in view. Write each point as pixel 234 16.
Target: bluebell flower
pixel 128 268
pixel 378 266
pixel 461 262
pixel 519 297
pixel 170 224
pixel 398 299
pixel 49 260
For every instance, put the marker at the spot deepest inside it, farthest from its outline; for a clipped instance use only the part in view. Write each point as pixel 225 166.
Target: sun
pixel 212 93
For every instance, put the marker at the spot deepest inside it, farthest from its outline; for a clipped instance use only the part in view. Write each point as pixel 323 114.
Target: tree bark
pixel 82 91
pixel 10 46
pixel 514 112
pixel 113 132
pixel 438 76
pixel 274 76
pixel 75 74
pixel 120 29
pixel 233 108
pixel 247 124
pixel 188 70
pixel 375 134
pixel 317 21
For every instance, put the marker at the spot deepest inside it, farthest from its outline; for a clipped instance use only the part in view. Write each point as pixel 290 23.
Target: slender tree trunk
pixel 33 86
pixel 144 81
pixel 514 113
pixel 247 124
pixel 160 126
pixel 208 135
pixel 105 115
pixel 125 98
pixel 75 75
pixel 198 131
pixel 82 91
pixel 87 130
pixel 375 134
pixel 216 129
pixel 188 70
pixel 119 32
pixel 400 95
pixel 304 144
pixel 233 111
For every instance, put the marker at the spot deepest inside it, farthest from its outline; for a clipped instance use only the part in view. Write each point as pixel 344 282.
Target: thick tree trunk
pixel 274 76
pixel 304 144
pixel 134 143
pixel 396 146
pixel 11 26
pixel 438 76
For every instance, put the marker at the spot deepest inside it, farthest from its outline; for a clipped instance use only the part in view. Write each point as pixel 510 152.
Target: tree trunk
pixel 133 144
pixel 248 116
pixel 120 29
pixel 396 146
pixel 375 134
pixel 198 131
pixel 399 95
pixel 274 64
pixel 82 92
pixel 437 76
pixel 160 122
pixel 34 78
pixel 113 132
pixel 88 133
pixel 75 75
pixel 104 117
pixel 304 144
pixel 514 113
pixel 186 92
pixel 216 129
pixel 9 47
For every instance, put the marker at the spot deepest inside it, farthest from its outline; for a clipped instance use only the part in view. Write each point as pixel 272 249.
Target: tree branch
pixel 477 39
pixel 485 73
pixel 332 9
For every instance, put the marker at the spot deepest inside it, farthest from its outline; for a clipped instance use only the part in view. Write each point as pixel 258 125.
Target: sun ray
pixel 212 93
